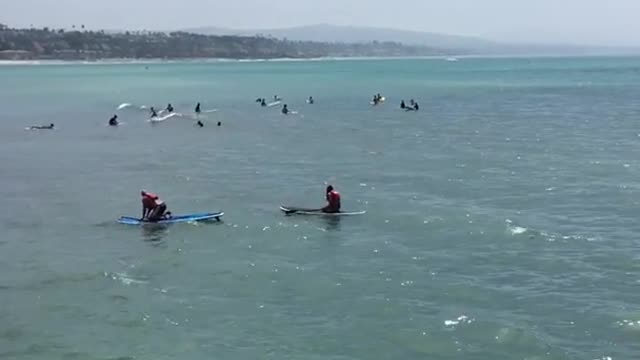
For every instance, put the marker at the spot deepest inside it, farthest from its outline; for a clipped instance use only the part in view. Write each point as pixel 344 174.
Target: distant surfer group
pixel 113 121
pixel 154 209
pixel 413 106
pixel 377 99
pixel 277 100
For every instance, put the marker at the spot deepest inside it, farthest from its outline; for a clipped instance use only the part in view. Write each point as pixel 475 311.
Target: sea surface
pixel 502 218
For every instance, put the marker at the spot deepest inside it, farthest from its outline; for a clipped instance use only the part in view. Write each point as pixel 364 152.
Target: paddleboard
pixel 174 219
pixel 290 210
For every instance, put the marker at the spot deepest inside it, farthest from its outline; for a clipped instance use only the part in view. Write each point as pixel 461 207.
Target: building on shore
pixel 16 55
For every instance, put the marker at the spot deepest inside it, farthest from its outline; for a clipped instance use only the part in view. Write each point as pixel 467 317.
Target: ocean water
pixel 502 218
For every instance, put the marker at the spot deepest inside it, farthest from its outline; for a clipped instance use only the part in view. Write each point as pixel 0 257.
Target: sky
pixel 583 22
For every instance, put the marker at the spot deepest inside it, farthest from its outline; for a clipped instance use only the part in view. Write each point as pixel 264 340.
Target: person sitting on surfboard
pixel 153 112
pixel 153 209
pixel 333 199
pixel 310 101
pixel 402 105
pixel 113 121
pixel 198 108
pixel 263 102
pixel 285 109
pixel 169 108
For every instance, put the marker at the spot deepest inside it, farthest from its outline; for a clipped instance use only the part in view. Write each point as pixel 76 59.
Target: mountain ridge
pixel 460 44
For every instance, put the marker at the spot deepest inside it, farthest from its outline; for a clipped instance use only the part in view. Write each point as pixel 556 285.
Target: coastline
pixel 124 61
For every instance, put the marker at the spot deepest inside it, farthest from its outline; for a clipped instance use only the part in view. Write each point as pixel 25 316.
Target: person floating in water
pixel 200 123
pixel 402 105
pixel 153 112
pixel 333 200
pixel 276 98
pixel 263 103
pixel 42 127
pixel 219 123
pixel 113 121
pixel 198 108
pixel 413 106
pixel 169 108
pixel 310 101
pixel 153 209
pixel 285 109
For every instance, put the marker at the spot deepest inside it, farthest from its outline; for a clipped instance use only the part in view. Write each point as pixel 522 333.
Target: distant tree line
pixel 46 43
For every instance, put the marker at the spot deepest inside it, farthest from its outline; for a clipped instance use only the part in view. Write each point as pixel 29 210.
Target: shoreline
pixel 125 61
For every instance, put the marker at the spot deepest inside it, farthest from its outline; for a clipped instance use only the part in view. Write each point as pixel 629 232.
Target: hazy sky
pixel 602 22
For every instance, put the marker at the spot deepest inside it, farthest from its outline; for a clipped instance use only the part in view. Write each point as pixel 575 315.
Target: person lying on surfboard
pixel 333 199
pixel 153 209
pixel 42 127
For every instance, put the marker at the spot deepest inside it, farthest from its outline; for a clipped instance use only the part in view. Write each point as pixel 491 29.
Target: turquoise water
pixel 501 219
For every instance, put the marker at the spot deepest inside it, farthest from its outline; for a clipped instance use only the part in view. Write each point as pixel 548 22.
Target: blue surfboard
pixel 173 219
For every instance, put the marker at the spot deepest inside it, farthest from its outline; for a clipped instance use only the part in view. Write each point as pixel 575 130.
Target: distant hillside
pixel 349 34
pixel 22 44
pixel 460 45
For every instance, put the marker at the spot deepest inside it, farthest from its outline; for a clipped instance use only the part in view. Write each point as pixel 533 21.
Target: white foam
pixel 516 230
pixel 124 105
pixel 462 319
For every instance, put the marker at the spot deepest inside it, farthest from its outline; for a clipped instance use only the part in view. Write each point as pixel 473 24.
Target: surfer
pixel 402 105
pixel 276 98
pixel 263 103
pixel 169 108
pixel 153 112
pixel 198 108
pixel 285 109
pixel 42 127
pixel 413 106
pixel 113 121
pixel 219 123
pixel 153 209
pixel 333 199
pixel 200 123
pixel 310 101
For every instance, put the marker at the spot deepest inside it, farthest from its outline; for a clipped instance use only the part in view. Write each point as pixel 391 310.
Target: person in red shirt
pixel 153 209
pixel 333 198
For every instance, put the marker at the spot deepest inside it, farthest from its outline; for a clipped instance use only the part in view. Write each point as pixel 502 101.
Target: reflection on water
pixel 155 233
pixel 333 222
